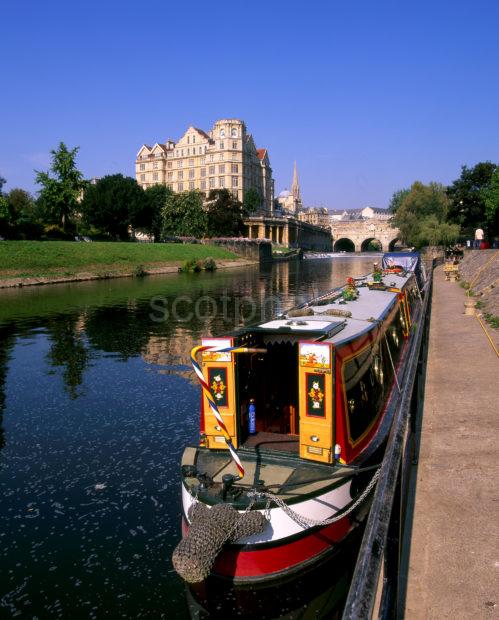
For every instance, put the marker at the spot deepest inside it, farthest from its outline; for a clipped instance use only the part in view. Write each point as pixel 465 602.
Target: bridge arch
pixel 371 244
pixel 344 245
pixel 393 243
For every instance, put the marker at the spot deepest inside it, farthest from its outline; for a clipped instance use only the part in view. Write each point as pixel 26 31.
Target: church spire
pixel 295 187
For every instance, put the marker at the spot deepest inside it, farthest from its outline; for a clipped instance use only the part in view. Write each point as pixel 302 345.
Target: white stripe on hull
pixel 281 525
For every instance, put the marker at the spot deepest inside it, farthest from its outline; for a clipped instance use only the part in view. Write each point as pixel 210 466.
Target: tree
pixel 23 213
pixel 252 201
pixel 113 204
pixel 225 214
pixel 2 183
pixel 421 216
pixel 155 200
pixel 490 197
pixel 60 193
pixel 467 206
pixel 183 215
pixel 396 199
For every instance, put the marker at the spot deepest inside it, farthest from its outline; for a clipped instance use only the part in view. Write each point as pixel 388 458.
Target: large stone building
pixel 225 157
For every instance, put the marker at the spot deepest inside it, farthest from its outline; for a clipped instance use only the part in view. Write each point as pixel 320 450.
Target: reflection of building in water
pixel 172 352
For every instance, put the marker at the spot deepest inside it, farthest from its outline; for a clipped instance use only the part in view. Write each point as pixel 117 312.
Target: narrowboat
pixel 295 413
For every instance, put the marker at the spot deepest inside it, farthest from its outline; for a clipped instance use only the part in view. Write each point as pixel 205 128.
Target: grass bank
pixel 49 261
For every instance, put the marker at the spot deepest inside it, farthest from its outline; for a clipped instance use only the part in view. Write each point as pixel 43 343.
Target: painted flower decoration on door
pixel 218 387
pixel 316 395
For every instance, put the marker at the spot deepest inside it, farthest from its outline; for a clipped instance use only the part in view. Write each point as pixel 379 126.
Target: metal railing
pixel 378 584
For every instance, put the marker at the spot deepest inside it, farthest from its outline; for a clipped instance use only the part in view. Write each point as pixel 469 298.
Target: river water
pixel 97 401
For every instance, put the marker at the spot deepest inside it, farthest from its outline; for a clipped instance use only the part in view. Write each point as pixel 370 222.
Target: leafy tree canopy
pixel 183 215
pixel 467 205
pixel 2 183
pixel 152 215
pixel 396 199
pixel 60 193
pixel 421 216
pixel 490 197
pixel 113 204
pixel 252 201
pixel 225 214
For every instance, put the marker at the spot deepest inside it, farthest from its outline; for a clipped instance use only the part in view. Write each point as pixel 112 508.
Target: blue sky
pixel 366 96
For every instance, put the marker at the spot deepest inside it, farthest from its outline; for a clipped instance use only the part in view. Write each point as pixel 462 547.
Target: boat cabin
pixel 317 379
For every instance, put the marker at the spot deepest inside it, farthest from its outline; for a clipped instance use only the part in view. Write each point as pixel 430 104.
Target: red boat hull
pixel 251 563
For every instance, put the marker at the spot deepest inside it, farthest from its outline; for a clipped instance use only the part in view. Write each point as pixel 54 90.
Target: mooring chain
pixel 305 522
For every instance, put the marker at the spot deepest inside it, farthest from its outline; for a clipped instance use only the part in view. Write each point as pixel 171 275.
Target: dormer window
pixel 233 132
pixel 193 139
pixel 188 140
pixel 222 133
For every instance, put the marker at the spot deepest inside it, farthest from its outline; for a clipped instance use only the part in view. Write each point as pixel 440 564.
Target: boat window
pixel 365 386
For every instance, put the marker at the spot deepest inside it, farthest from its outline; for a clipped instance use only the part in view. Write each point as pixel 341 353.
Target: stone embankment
pixel 480 270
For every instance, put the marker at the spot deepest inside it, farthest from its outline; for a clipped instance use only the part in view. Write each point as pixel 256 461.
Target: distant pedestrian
pixel 478 237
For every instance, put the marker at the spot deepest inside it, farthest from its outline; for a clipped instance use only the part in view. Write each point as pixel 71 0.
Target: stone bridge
pixel 363 235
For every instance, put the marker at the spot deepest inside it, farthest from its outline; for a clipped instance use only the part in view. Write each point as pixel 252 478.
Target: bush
pixel 53 232
pixel 209 264
pixel 139 271
pixel 193 264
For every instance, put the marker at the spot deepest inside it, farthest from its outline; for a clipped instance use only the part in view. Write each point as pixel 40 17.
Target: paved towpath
pixel 454 557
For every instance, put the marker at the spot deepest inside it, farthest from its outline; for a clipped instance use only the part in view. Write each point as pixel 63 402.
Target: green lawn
pixel 51 258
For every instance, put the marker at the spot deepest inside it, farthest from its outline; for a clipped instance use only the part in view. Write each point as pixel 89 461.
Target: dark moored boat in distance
pixel 306 401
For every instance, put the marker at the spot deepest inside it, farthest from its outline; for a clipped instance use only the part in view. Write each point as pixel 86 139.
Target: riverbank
pixel 453 555
pixel 479 271
pixel 28 263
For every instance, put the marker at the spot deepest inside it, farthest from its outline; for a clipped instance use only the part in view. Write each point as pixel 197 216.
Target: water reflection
pixel 98 401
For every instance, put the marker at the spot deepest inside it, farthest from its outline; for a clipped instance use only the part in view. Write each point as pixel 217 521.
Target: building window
pixel 222 145
pixel 233 132
pixel 212 170
pixel 191 174
pixel 188 152
pixel 158 154
pixel 234 155
pixel 188 140
pixel 211 156
pixel 221 157
pixel 234 144
pixel 169 185
pixel 234 168
pixel 182 152
pixel 180 174
pixel 176 153
pixel 203 172
pixel 212 182
pixel 221 169
pixel 234 181
pixel 142 177
pixel 222 133
pixel 200 150
pixel 154 176
pixel 180 187
pixel 191 162
pixel 203 160
pixel 170 175
pixel 191 184
pixel 221 182
pixel 193 139
pixel 203 184
pixel 142 166
pixel 155 165
pixel 168 164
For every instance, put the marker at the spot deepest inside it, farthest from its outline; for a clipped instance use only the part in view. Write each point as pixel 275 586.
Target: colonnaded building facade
pixel 225 157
